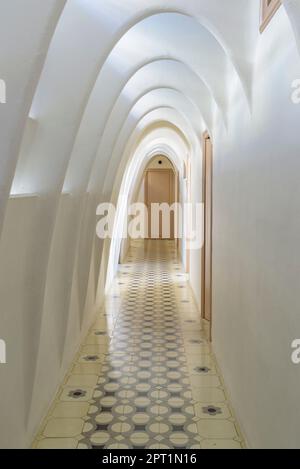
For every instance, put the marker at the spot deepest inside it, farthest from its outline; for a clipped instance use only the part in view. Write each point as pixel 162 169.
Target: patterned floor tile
pixel 145 376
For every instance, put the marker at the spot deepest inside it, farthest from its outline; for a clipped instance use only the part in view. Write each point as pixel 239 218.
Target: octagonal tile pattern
pixel 145 376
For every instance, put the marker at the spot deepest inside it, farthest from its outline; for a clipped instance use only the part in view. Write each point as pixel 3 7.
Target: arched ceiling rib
pixel 197 47
pixel 60 105
pixel 86 23
pixel 160 71
pixel 126 137
pixel 137 117
pixel 124 185
pixel 156 136
pixel 134 128
pixel 151 100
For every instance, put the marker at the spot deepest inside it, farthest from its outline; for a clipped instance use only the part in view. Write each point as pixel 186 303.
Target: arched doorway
pixel 160 195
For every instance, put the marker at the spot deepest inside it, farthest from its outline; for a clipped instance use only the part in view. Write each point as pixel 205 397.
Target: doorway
pixel 160 188
pixel 208 221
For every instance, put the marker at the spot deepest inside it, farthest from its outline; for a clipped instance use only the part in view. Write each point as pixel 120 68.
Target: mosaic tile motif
pixel 145 376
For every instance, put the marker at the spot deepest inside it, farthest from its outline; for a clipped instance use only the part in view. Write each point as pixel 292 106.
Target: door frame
pixel 172 196
pixel 206 138
pixel 188 175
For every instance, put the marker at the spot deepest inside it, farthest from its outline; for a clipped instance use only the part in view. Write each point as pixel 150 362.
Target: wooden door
pixel 160 188
pixel 188 200
pixel 207 248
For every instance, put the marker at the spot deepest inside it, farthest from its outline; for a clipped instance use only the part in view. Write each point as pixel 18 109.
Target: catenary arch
pixel 158 97
pixel 138 139
pixel 125 67
pixel 127 132
pixel 134 169
pixel 91 130
pixel 58 119
pixel 192 133
pixel 152 133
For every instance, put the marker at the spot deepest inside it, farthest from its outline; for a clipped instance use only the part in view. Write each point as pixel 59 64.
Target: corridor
pixel 149 224
pixel 145 377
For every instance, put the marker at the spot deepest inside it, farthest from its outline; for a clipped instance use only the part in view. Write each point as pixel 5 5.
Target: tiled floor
pixel 145 376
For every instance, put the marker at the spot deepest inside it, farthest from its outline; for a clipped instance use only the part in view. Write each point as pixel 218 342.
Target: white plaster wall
pixel 256 247
pixel 17 323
